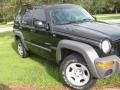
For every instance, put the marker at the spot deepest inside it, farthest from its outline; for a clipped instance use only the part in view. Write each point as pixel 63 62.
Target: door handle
pixel 32 30
pixel 20 28
pixel 49 44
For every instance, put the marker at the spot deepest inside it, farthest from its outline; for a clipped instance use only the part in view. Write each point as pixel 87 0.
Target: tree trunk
pixel 116 11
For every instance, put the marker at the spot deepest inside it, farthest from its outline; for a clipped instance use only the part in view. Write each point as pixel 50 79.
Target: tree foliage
pixel 8 8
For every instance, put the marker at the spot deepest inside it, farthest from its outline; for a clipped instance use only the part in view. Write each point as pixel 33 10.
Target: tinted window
pixel 22 10
pixel 39 14
pixel 27 17
pixel 68 15
pixel 18 16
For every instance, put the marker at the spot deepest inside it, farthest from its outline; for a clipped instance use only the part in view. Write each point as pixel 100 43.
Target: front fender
pixel 86 50
pixel 20 35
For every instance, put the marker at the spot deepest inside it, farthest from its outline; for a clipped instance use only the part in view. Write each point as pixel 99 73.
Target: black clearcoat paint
pixel 92 32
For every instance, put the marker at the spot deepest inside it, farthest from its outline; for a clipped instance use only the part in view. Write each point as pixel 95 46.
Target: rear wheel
pixel 76 73
pixel 21 49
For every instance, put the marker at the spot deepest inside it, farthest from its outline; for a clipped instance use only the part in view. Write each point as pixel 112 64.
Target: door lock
pixel 32 30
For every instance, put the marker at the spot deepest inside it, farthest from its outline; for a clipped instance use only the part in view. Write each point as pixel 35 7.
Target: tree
pixel 8 8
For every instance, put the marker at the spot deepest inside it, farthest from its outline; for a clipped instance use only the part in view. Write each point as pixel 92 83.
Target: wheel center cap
pixel 78 72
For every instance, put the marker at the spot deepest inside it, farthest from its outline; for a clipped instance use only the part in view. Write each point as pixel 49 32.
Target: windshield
pixel 67 15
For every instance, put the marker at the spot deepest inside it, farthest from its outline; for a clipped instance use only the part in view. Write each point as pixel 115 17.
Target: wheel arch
pixel 85 50
pixel 19 35
pixel 65 52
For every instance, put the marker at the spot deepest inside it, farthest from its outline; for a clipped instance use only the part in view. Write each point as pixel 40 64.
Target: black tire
pixel 24 52
pixel 72 59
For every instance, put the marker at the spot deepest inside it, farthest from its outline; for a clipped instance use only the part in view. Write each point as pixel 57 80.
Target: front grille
pixel 116 48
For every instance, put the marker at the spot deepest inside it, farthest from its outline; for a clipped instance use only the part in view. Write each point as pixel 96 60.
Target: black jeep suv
pixel 85 48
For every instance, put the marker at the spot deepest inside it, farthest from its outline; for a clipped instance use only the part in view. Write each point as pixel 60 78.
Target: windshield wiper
pixel 70 22
pixel 87 20
pixel 78 21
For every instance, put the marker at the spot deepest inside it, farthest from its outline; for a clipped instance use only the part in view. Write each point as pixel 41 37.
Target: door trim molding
pixel 47 49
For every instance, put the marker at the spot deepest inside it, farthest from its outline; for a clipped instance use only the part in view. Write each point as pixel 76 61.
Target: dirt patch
pixel 17 87
pixel 115 86
pixel 55 88
pixel 22 87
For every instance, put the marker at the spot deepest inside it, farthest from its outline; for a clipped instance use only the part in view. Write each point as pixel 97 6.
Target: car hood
pixel 92 30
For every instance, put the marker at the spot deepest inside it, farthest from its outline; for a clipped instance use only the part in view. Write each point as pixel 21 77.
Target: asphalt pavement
pixel 6 29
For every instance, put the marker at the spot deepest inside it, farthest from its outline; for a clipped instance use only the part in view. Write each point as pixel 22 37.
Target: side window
pixel 18 16
pixel 18 19
pixel 39 14
pixel 27 17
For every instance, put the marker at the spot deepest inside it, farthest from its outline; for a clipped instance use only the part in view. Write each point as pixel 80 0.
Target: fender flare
pixel 88 52
pixel 20 35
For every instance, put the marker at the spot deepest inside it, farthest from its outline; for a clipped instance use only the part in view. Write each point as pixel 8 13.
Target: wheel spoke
pixel 74 66
pixel 77 80
pixel 21 52
pixel 77 74
pixel 20 49
pixel 69 72
pixel 86 75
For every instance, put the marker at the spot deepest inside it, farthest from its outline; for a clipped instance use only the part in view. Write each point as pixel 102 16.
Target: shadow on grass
pixel 51 66
pixel 4 87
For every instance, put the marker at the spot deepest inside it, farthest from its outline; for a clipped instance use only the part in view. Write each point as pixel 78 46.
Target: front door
pixel 26 24
pixel 41 39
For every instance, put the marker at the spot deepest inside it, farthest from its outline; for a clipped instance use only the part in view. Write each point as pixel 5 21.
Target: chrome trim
pixel 47 49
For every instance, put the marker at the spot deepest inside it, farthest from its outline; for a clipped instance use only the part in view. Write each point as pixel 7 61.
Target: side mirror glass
pixel 39 24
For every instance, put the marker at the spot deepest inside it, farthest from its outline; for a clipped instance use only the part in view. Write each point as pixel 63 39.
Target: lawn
pixel 107 16
pixel 32 70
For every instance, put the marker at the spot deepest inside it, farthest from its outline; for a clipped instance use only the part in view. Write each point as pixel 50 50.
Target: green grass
pixel 107 16
pixel 32 70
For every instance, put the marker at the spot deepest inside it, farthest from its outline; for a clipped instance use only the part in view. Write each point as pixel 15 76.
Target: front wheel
pixel 75 73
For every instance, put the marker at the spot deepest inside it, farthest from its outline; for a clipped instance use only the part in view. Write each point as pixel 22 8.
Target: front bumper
pixel 111 69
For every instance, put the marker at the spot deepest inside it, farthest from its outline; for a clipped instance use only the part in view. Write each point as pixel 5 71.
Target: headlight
pixel 106 46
